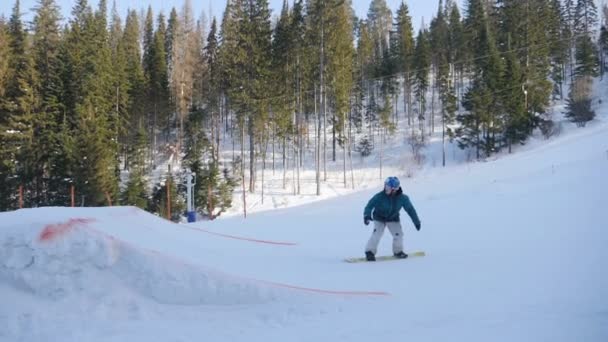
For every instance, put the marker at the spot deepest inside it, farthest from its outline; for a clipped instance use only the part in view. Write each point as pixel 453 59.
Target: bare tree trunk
pixel 284 162
pixel 295 163
pixel 318 144
pixel 371 129
pixel 155 143
pixel 300 146
pixel 381 149
pixel 251 157
pixel 243 169
pixel 227 117
pixel 296 154
pixel 274 136
pixel 300 124
pixel 333 139
pixel 461 89
pixel 561 84
pixel 408 89
pixel 325 138
pixel 478 140
pixel 344 143
pixel 217 136
pixel 350 158
pixel 323 97
pixel 350 145
pixel 264 153
pixel 443 138
pixel 308 133
pixel 232 132
pixel 421 117
pixel 396 100
pixel 432 121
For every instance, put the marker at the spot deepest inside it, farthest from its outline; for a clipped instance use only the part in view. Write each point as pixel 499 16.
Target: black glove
pixel 418 226
pixel 366 220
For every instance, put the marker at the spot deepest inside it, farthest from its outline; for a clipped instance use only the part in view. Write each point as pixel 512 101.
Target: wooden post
pixel 20 196
pixel 72 195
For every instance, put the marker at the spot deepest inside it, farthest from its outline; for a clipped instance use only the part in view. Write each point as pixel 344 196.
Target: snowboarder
pixel 385 206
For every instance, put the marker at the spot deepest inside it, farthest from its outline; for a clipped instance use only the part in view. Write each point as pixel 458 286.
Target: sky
pixel 419 9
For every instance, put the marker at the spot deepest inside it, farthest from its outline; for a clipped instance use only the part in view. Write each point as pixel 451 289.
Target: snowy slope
pixel 516 251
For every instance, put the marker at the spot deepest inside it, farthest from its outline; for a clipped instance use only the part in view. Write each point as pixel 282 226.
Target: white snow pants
pixel 396 231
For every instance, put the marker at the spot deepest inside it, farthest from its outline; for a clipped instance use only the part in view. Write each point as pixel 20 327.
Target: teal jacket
pixel 386 207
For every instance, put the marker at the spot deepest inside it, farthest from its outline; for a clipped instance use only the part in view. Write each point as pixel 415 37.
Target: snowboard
pixel 386 257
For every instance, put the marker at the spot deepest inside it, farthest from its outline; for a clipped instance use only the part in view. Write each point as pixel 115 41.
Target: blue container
pixel 191 216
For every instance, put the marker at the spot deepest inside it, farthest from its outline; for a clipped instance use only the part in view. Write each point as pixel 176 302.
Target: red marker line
pixel 241 238
pixel 330 292
pixel 53 231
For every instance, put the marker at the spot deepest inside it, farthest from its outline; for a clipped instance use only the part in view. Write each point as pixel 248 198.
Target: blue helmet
pixel 392 182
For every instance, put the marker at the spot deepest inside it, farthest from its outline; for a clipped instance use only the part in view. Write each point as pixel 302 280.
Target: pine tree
pixel 159 82
pixel 46 146
pixel 170 36
pixel 140 106
pixel 213 95
pixel 283 67
pixel 585 19
pixel 517 125
pixel 134 69
pixel 17 109
pixel 135 192
pixel 379 18
pixel 89 80
pixel 201 159
pixel 578 106
pixel 74 56
pixel 389 68
pixel 148 43
pixel 360 86
pixel 439 43
pixel 422 63
pixel 587 63
pixel 538 64
pixel 4 56
pixel 603 40
pixel 196 147
pixel 457 47
pixel 559 46
pixel 406 50
pixel 231 54
pixel 121 86
pixel 340 52
pixel 214 190
pixel 61 177
pixel 233 58
pixel 6 159
pixel 482 125
pixel 259 33
pixel 148 66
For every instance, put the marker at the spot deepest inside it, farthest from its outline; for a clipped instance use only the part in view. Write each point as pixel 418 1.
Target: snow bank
pixel 67 255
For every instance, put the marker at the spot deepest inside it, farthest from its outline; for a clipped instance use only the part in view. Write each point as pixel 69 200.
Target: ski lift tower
pixel 190 182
